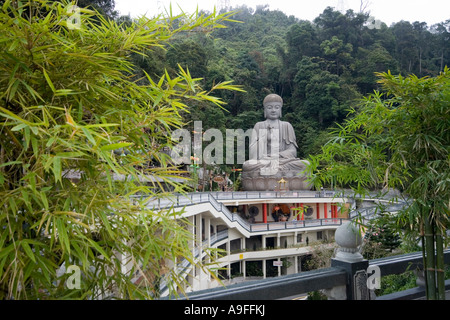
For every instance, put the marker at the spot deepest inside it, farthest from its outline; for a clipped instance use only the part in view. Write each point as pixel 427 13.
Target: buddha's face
pixel 272 110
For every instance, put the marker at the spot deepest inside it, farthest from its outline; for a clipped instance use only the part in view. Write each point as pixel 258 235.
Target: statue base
pixel 254 181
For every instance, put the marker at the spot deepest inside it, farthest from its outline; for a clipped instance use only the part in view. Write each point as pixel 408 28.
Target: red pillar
pixel 325 211
pixel 265 212
pixel 303 214
pixel 318 210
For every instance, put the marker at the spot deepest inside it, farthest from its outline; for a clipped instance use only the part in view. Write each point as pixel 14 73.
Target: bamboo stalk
pixel 430 260
pixel 424 260
pixel 440 276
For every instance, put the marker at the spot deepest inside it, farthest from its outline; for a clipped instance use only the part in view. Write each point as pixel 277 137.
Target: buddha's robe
pixel 273 148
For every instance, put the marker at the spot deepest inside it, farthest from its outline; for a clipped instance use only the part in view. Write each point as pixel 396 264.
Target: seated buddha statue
pixel 273 152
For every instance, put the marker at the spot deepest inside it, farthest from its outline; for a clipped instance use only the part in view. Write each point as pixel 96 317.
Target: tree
pixel 337 51
pixel 104 7
pixel 369 61
pixel 400 139
pixel 190 55
pixel 77 137
pixel 381 237
pixel 302 40
pixel 320 100
pixel 406 52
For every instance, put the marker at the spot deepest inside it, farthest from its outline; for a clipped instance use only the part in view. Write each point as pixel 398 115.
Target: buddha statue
pixel 273 152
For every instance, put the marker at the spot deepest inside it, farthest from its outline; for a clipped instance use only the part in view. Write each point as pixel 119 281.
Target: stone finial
pixel 349 239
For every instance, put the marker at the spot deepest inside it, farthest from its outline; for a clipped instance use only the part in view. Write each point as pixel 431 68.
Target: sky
pixel 388 11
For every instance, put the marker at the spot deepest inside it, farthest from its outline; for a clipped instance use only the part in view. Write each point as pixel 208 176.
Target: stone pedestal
pixel 254 181
pixel 348 258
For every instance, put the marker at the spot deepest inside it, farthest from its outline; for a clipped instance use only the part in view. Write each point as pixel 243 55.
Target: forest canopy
pixel 321 68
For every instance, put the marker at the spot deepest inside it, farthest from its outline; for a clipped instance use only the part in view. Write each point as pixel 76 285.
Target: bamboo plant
pixel 399 137
pixel 68 108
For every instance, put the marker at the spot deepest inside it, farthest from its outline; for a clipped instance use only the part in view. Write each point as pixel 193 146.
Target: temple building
pixel 268 229
pixel 260 234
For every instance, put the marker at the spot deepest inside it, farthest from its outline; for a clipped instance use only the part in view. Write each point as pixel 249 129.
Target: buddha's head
pixel 272 106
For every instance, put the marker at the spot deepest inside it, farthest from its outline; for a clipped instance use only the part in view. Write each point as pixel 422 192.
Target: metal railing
pixel 308 281
pixel 240 195
pixel 275 288
pixel 368 212
pixel 200 198
pixel 213 197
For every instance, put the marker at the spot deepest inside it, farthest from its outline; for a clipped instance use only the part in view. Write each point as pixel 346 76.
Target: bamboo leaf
pixel 99 249
pixel 5 251
pixel 26 247
pixel 9 163
pixel 19 127
pixel 49 81
pixel 89 135
pixel 72 155
pixel 44 200
pixel 63 235
pixel 57 168
pixel 115 146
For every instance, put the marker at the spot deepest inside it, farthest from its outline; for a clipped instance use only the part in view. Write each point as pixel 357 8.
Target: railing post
pixel 348 258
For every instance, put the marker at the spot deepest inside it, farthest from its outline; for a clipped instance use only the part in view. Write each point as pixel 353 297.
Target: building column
pixel 325 211
pixel 318 210
pixel 302 213
pixel 228 255
pixel 199 245
pixel 264 268
pixel 198 229
pixel 208 239
pixel 279 267
pixel 192 244
pixel 208 231
pixel 264 212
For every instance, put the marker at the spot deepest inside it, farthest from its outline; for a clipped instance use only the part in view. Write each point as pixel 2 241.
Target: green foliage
pixel 319 67
pixel 381 237
pixel 68 111
pixel 396 282
pixel 399 139
pixel 316 295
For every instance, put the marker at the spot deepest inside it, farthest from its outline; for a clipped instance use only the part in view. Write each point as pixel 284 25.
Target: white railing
pixel 213 197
